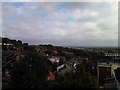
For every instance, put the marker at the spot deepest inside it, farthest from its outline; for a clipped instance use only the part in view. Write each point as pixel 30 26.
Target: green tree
pixel 78 78
pixel 31 72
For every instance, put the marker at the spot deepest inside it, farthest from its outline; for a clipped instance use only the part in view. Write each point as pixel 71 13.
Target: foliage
pixel 30 72
pixel 78 78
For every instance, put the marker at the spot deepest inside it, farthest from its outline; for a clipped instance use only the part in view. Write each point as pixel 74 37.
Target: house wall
pixel 104 72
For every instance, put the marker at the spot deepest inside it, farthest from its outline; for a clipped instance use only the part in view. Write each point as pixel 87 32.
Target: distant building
pixel 8 44
pixel 54 59
pixel 60 67
pixel 115 56
pixel 112 54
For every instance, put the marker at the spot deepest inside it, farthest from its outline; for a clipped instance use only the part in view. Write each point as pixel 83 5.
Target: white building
pixel 54 59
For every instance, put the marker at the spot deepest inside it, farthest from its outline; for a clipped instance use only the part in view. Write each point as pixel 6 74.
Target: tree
pixel 75 79
pixel 25 45
pixel 5 40
pixel 85 78
pixel 13 41
pixel 20 41
pixel 31 72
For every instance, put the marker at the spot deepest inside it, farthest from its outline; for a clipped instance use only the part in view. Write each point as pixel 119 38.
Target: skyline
pixel 61 23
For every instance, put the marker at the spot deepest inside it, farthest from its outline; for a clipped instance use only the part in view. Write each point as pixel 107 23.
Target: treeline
pixel 13 43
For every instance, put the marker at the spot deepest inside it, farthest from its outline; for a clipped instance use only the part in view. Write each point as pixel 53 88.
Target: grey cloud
pixel 54 26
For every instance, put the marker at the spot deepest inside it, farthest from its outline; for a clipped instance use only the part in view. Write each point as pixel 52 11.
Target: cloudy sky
pixel 61 23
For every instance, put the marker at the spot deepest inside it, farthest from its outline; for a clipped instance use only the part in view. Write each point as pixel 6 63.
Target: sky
pixel 61 23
